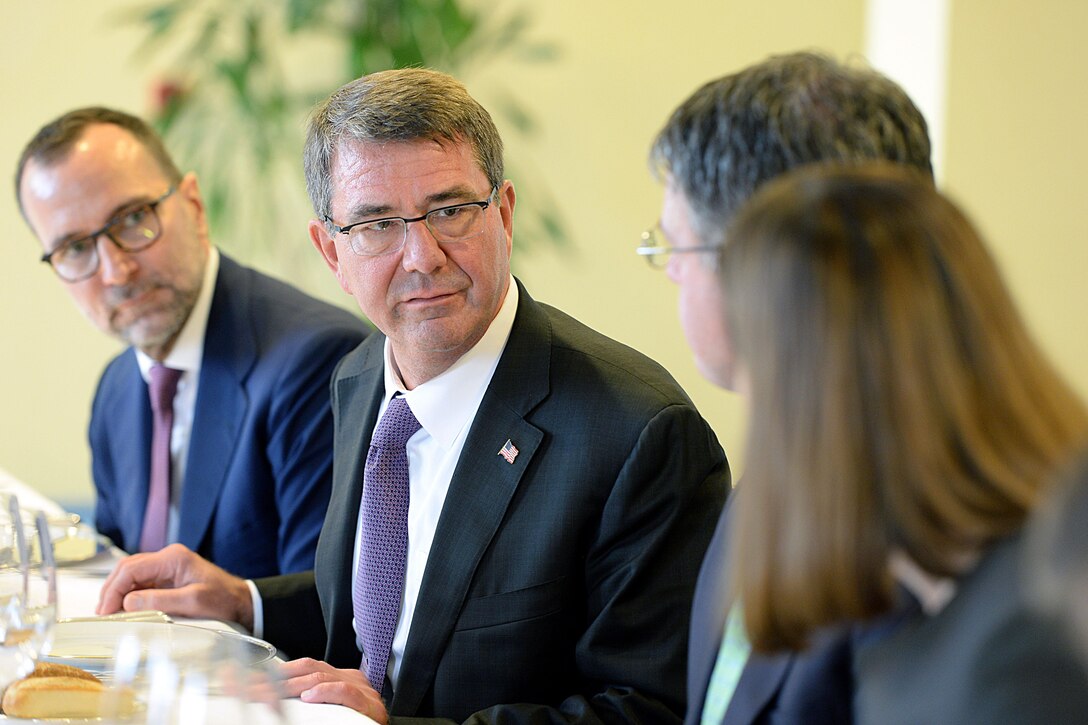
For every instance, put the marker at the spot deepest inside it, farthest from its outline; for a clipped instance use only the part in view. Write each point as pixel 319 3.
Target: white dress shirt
pixel 186 355
pixel 933 593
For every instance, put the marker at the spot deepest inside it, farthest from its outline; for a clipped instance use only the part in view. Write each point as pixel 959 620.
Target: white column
pixel 907 40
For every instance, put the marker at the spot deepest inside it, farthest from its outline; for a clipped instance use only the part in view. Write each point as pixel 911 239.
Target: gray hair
pixel 397 105
pixel 739 131
pixel 55 139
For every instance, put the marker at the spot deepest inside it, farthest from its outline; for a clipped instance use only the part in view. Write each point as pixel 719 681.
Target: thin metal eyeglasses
pixel 656 248
pixel 133 230
pixel 375 237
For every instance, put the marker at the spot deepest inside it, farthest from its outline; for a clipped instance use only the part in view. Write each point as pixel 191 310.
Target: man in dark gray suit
pixel 562 487
pixel 717 148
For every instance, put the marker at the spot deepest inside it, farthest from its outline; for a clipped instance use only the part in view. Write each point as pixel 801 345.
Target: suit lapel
pixel 221 404
pixel 759 682
pixel 357 397
pixel 763 675
pixel 480 492
pixel 131 450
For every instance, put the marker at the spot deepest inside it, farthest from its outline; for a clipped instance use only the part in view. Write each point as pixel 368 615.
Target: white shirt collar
pixel 933 593
pixel 447 403
pixel 188 350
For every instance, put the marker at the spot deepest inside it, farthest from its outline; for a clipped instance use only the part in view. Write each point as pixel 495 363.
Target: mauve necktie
pixel 164 383
pixel 383 552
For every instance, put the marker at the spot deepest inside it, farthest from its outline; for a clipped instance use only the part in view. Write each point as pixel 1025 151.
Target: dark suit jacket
pixel 810 688
pixel 986 658
pixel 258 475
pixel 558 587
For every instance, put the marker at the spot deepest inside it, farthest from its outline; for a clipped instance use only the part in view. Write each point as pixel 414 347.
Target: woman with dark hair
pixel 903 426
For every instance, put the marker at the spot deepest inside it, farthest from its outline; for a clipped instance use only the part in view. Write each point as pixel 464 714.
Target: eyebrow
pixel 132 203
pixel 460 193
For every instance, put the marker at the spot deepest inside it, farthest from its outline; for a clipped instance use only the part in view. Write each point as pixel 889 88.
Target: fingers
pixel 303 666
pixel 315 681
pixel 364 700
pixel 177 581
pixel 135 572
pixel 302 674
pixel 191 601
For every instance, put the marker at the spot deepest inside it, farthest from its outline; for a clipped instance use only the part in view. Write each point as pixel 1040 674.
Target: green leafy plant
pixel 241 75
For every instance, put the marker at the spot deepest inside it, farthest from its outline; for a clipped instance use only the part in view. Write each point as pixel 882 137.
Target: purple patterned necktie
pixel 164 383
pixel 383 552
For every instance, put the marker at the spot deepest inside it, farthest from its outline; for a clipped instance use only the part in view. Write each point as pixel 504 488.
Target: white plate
pixel 93 645
pixel 51 720
pixel 76 544
pixel 72 544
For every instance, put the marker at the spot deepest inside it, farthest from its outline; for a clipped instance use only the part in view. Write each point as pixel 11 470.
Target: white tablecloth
pixel 78 586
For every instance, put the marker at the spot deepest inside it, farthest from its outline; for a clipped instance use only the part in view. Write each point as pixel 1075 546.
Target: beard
pixel 153 325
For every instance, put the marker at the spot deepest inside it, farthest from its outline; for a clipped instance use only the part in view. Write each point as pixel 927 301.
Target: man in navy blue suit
pixel 718 146
pixel 247 445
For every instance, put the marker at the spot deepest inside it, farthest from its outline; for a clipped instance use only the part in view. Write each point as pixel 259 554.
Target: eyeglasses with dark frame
pixel 448 224
pixel 656 248
pixel 133 230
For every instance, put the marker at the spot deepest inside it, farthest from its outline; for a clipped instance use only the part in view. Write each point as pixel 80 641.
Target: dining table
pixel 79 583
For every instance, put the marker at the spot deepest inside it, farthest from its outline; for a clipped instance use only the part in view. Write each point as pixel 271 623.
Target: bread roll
pixel 56 697
pixel 51 669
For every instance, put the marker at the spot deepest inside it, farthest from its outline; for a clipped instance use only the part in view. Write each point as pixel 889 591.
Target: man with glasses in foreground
pixel 732 135
pixel 519 504
pixel 213 429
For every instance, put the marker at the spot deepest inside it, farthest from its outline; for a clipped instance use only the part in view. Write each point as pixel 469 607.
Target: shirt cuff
pixel 258 609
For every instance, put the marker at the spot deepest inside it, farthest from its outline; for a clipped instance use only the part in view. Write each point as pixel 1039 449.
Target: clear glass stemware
pixel 28 590
pixel 173 682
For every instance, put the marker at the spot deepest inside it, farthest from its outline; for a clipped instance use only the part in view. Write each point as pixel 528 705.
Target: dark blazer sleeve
pixel 654 532
pixel 292 614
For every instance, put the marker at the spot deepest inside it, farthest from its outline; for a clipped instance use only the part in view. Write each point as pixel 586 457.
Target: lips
pixel 433 297
pixel 130 301
pixel 425 297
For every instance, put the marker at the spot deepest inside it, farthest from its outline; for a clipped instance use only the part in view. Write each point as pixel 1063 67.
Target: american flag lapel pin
pixel 509 451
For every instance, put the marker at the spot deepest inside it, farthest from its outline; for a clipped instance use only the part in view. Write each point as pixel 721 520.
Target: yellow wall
pixel 1017 102
pixel 1017 157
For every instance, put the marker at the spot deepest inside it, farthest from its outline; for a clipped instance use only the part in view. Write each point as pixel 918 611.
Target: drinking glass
pixel 28 590
pixel 40 607
pixel 157 682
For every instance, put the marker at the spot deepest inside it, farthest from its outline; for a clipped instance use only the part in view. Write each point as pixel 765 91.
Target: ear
pixel 507 197
pixel 189 191
pixel 324 244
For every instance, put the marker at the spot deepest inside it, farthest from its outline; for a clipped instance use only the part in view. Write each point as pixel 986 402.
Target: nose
pixel 422 253
pixel 114 264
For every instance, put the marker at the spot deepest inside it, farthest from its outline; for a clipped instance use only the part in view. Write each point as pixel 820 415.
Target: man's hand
pixel 314 681
pixel 176 581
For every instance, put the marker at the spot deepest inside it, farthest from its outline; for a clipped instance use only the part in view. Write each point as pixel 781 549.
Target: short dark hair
pixel 741 130
pixel 408 104
pixel 55 139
